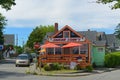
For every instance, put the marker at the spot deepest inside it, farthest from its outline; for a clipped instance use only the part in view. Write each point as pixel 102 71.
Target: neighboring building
pixel 113 43
pixel 92 49
pixel 100 41
pixel 9 39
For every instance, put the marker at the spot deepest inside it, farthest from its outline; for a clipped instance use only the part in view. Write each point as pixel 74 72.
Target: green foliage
pixel 7 4
pixel 38 34
pixel 89 68
pixel 116 3
pixel 78 67
pixel 2 24
pixel 94 65
pixel 117 31
pixel 18 49
pixel 55 66
pixel 47 68
pixel 52 67
pixel 112 60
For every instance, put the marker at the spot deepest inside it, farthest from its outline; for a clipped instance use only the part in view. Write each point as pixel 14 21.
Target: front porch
pixel 80 59
pixel 78 54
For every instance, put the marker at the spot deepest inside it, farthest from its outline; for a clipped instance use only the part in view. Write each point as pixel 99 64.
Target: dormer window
pixel 66 34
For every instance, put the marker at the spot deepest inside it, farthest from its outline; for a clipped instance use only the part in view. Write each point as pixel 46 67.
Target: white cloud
pixel 80 14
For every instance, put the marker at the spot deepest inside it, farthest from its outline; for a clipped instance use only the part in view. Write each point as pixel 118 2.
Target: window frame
pixel 100 49
pixel 66 32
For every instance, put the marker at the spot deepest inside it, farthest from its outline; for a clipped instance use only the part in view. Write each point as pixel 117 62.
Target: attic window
pixel 66 34
pixel 73 34
pixel 100 49
pixel 60 35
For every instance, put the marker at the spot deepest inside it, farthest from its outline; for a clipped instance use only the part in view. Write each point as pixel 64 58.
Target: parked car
pixel 23 60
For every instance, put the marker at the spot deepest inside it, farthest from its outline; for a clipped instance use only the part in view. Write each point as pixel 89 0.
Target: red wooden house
pixel 71 47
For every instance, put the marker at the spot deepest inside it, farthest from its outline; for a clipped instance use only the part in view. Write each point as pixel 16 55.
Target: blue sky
pixel 21 33
pixel 79 14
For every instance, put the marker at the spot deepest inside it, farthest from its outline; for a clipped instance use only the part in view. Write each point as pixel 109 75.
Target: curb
pixel 69 75
pixel 78 73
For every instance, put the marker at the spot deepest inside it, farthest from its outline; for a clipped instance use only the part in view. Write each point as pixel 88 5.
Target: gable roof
pixel 91 35
pixel 112 41
pixel 68 27
pixel 100 43
pixel 47 35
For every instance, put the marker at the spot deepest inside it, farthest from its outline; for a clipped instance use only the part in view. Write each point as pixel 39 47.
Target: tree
pixel 38 34
pixel 117 31
pixel 116 3
pixel 18 49
pixel 7 4
pixel 2 24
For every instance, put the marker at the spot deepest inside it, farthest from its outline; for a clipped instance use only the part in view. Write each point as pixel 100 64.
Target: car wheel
pixel 17 65
pixel 28 65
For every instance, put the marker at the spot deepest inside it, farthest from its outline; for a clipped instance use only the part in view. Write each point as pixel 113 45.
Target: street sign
pixel 36 45
pixel 1 47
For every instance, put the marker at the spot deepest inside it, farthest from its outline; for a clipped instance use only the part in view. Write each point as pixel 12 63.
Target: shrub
pixel 94 65
pixel 89 68
pixel 47 67
pixel 112 60
pixel 78 67
pixel 55 66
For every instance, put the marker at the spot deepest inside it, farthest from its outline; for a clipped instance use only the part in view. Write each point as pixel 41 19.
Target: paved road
pixel 8 71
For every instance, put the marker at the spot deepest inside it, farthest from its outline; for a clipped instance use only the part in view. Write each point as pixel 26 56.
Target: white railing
pixel 66 39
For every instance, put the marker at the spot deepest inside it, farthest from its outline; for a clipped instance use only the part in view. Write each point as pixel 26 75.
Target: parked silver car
pixel 23 60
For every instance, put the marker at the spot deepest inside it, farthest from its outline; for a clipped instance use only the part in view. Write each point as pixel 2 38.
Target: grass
pixel 43 72
pixel 58 72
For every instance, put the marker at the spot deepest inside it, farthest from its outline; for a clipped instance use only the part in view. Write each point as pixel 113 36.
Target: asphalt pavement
pixel 8 71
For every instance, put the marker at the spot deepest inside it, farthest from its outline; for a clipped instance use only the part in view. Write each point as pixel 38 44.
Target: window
pixel 66 34
pixel 60 35
pixel 73 34
pixel 100 49
pixel 75 50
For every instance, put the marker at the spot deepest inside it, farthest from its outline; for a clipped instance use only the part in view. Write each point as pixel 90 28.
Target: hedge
pixel 112 59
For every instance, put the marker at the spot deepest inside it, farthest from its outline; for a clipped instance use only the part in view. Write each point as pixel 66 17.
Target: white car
pixel 23 60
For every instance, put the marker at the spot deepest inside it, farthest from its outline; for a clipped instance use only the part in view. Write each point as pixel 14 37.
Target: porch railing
pixel 64 58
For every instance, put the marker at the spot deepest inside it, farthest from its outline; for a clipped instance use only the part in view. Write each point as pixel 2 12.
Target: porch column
pixel 71 54
pixel 79 49
pixel 89 53
pixel 54 51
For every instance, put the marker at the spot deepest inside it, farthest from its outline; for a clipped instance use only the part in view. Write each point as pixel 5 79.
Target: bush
pixel 78 67
pixel 47 67
pixel 89 68
pixel 54 66
pixel 94 65
pixel 112 60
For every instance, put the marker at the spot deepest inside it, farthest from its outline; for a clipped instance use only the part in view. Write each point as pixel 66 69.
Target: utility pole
pixel 23 43
pixel 16 39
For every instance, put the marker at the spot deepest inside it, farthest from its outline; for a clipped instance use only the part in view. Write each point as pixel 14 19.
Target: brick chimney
pixel 56 27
